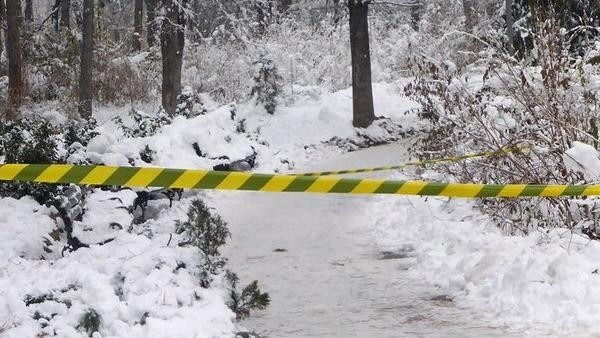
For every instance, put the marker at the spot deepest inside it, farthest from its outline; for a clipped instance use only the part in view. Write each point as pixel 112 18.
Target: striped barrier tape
pixel 508 150
pixel 135 177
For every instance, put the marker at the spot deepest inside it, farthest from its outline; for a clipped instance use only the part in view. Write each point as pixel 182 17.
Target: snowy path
pixel 330 281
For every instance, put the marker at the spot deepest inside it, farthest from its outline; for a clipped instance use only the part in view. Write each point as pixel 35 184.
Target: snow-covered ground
pixel 542 284
pixel 394 266
pixel 135 283
pixel 335 266
pixel 318 258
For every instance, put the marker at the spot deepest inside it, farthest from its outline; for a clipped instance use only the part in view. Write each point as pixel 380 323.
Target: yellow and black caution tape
pixel 507 150
pixel 135 177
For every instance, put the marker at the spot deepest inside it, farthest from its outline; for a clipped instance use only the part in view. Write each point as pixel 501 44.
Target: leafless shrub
pixel 545 101
pixel 5 326
pixel 127 79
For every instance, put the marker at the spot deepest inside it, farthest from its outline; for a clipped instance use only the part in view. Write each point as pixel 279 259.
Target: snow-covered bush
pixel 308 57
pixel 267 86
pixel 51 74
pixel 147 154
pixel 80 132
pixel 251 298
pixel 579 18
pixel 120 77
pixel 35 140
pixel 152 280
pixel 549 106
pixel 189 104
pixel 90 322
pixel 443 33
pixel 143 124
pixel 208 232
pixel 29 140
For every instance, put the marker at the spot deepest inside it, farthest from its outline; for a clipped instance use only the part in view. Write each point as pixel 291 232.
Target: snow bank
pixel 139 285
pixel 291 137
pixel 24 222
pixel 547 281
pixel 585 159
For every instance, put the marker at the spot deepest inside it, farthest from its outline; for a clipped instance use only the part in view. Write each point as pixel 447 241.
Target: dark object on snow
pixel 90 322
pixel 245 164
pixel 443 300
pixel 69 205
pixel 143 197
pixel 201 154
pixel 115 226
pixel 389 255
pixel 592 232
pixel 398 254
pixel 198 150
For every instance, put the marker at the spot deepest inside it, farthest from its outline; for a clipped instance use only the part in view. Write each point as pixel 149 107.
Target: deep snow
pixel 542 284
pixel 124 281
pixel 330 280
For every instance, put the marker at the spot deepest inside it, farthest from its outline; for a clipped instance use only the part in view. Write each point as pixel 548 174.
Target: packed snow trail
pixel 314 255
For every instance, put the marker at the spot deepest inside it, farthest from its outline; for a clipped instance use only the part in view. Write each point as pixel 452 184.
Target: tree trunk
pixel 55 14
pixel 469 13
pixel 137 25
pixel 172 43
pixel 2 21
pixel 510 29
pixel 151 26
pixel 87 53
pixel 65 13
pixel 362 91
pixel 261 18
pixel 337 12
pixel 415 14
pixel 16 85
pixel 28 11
pixel 284 5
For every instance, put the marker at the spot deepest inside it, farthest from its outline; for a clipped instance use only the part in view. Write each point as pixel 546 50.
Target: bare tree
pixel 416 10
pixel 138 15
pixel 65 13
pixel 362 91
pixel 55 14
pixel 16 85
pixel 172 43
pixel 151 26
pixel 87 53
pixel 284 5
pixel 28 11
pixel 337 12
pixel 470 15
pixel 510 21
pixel 2 20
pixel 264 13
